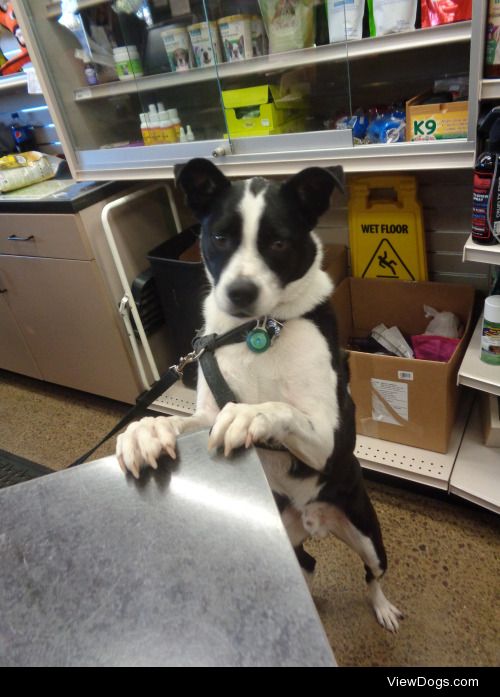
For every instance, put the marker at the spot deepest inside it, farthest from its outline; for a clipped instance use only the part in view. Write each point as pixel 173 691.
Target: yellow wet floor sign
pixel 386 231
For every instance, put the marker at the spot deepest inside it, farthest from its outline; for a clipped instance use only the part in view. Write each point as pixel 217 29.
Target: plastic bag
pixel 290 24
pixel 436 12
pixel 345 19
pixel 26 168
pixel 443 323
pixel 434 348
pixel 391 16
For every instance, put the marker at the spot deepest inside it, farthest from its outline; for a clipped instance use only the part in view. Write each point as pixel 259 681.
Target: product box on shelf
pixel 261 111
pixel 490 417
pixel 435 121
pixel 403 400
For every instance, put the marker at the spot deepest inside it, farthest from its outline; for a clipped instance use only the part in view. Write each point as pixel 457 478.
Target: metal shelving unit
pixel 485 254
pixel 476 373
pixel 476 474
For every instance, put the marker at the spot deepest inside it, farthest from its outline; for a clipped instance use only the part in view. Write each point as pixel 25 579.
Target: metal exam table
pixel 190 566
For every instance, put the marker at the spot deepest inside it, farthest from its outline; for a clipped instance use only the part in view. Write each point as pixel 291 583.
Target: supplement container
pixel 205 42
pixel 127 62
pixel 178 47
pixel 236 35
pixel 490 336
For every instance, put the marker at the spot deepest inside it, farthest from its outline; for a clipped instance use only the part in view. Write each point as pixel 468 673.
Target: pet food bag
pixel 236 35
pixel 26 168
pixel 391 16
pixel 436 12
pixel 289 24
pixel 345 19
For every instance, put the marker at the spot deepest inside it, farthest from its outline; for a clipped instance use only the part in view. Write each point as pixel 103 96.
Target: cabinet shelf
pixel 490 89
pixel 54 8
pixel 420 38
pixel 10 82
pixel 476 373
pixel 486 254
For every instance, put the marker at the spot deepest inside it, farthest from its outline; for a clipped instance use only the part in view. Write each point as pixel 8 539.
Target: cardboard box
pixel 490 417
pixel 261 111
pixel 403 400
pixel 435 121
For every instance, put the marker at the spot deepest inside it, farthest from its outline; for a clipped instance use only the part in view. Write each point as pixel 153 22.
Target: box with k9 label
pixel 435 121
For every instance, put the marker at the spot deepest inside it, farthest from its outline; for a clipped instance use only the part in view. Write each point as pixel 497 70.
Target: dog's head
pixel 256 239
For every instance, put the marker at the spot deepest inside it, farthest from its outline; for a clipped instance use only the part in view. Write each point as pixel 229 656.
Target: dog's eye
pixel 221 241
pixel 279 246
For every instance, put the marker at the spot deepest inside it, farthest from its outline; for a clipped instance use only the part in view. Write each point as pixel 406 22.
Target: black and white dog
pixel 263 260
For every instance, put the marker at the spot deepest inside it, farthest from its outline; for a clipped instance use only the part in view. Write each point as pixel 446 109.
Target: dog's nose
pixel 242 292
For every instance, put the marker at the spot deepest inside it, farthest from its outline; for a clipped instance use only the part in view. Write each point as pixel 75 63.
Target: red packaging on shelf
pixel 436 12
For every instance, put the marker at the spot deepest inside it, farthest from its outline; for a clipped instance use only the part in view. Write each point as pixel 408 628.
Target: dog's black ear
pixel 312 189
pixel 201 182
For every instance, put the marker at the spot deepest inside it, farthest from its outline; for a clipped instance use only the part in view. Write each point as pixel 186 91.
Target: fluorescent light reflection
pixel 209 497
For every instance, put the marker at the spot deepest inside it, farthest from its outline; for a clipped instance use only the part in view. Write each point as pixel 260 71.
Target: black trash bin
pixel 181 286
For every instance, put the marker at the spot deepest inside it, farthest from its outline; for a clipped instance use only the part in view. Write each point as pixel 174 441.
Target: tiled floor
pixel 444 559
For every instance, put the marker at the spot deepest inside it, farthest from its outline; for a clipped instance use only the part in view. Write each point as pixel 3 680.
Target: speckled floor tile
pixel 444 570
pixel 53 425
pixel 444 559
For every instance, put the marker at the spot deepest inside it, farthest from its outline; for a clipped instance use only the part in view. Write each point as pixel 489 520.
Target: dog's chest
pixel 273 374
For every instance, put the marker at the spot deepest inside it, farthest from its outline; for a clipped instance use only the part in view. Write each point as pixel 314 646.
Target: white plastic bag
pixel 345 19
pixel 443 323
pixel 392 16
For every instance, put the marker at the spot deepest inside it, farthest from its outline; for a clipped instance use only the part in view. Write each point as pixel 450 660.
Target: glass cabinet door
pixel 122 79
pixel 136 86
pixel 141 84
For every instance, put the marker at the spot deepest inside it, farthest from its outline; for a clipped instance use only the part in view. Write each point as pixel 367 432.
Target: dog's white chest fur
pixel 295 370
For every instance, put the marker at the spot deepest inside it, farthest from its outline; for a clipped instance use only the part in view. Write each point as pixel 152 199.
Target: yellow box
pixel 435 121
pixel 386 230
pixel 261 110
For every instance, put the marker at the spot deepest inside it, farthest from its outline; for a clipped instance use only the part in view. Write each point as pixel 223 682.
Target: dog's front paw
pixel 142 443
pixel 242 424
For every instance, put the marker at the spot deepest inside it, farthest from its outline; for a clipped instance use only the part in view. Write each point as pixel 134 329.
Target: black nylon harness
pixel 204 348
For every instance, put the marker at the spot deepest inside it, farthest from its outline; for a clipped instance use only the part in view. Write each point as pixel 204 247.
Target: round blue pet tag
pixel 258 340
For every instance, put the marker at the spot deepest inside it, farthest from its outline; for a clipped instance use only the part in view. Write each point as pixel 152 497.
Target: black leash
pixel 204 350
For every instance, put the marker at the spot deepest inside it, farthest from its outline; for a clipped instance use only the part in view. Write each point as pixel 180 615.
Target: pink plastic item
pixel 434 348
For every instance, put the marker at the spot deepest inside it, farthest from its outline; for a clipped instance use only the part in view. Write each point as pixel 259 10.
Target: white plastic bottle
pixel 173 115
pixel 182 136
pixel 490 337
pixel 145 130
pixel 168 129
pixel 189 134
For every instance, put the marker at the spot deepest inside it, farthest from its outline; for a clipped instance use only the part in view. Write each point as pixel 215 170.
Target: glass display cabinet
pixel 263 86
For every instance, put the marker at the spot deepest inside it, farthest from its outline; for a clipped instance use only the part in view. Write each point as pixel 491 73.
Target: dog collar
pixel 262 336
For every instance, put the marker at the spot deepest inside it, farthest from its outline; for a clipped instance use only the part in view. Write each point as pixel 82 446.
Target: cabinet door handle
pixel 16 238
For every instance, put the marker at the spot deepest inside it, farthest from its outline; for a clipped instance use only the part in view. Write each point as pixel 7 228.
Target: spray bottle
pixel 486 191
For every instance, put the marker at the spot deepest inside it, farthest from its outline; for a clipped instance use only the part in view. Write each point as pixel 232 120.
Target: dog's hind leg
pixel 357 525
pixel 292 520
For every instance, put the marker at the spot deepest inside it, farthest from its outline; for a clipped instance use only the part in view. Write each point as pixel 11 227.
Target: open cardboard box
pixel 403 400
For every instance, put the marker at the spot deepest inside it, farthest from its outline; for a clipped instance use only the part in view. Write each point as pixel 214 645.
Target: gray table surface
pixel 190 566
